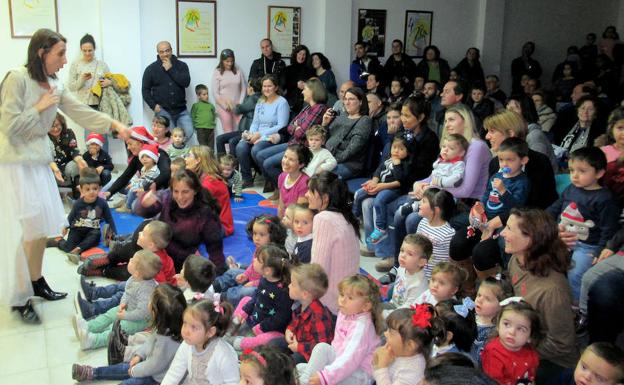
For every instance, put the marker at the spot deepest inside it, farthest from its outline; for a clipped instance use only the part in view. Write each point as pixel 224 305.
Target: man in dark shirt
pixel 164 84
pixel 270 62
pixel 400 66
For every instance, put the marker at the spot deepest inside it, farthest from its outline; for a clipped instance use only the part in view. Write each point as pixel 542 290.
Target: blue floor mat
pixel 237 245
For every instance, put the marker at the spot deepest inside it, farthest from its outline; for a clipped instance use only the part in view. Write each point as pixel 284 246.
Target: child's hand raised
pixel 383 357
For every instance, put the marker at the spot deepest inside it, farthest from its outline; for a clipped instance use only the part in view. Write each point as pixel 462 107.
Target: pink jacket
pixel 250 273
pixel 355 341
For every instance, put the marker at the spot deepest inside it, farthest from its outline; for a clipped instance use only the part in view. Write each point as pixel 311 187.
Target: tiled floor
pixel 43 354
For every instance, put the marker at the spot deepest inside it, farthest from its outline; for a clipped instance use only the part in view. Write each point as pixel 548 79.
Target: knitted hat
pixel 572 213
pixel 94 138
pixel 141 133
pixel 150 150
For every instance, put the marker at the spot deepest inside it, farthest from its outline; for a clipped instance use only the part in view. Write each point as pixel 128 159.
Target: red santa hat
pixel 94 138
pixel 572 213
pixel 150 150
pixel 141 133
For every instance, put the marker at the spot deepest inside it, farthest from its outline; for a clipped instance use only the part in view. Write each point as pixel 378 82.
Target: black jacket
pixel 166 88
pixel 263 65
pixel 103 159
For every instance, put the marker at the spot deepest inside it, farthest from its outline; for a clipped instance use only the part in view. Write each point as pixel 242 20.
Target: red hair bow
pixel 422 316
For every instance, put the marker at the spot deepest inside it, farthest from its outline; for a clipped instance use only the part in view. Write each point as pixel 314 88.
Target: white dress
pixel 30 206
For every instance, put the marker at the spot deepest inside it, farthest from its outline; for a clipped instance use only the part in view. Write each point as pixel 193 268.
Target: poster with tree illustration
pixel 284 29
pixel 196 24
pixel 372 30
pixel 418 27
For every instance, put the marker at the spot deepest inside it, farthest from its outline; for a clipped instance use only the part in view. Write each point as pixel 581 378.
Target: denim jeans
pixel 605 314
pixel 343 172
pixel 231 138
pixel 246 152
pixel 231 290
pixel 105 177
pixel 386 247
pixel 107 297
pixel 582 257
pixel 380 205
pixel 595 274
pixel 131 197
pixel 120 372
pixel 270 161
pixel 181 119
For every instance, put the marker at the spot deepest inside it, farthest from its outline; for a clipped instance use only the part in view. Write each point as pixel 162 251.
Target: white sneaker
pixel 87 341
pixel 80 326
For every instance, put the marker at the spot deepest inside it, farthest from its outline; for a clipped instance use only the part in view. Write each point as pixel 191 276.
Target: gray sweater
pixel 348 141
pixel 538 141
pixel 156 354
pixel 136 297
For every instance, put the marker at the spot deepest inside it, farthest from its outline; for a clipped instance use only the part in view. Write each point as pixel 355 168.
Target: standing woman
pixel 323 71
pixel 433 67
pixel 31 207
pixel 336 232
pixel 295 76
pixel 229 89
pixel 85 72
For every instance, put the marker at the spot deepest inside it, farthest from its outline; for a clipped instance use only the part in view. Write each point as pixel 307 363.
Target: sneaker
pixel 80 326
pixel 385 265
pixel 389 277
pixel 88 289
pixel 366 252
pixel 124 209
pixel 377 236
pixel 83 307
pixel 236 343
pixel 82 372
pixel 87 341
pixel 231 262
pixel 73 258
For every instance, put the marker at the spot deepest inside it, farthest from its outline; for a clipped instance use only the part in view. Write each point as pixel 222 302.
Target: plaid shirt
pixel 313 325
pixel 305 119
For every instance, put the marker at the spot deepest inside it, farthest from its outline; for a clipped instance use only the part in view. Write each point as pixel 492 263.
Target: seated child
pixel 293 182
pixel 448 169
pixel 587 209
pixel 457 326
pixel 600 363
pixel 397 92
pixel 178 148
pixel 287 222
pixel 312 322
pixel 302 228
pixel 267 365
pixel 151 359
pixel 446 281
pixel 133 310
pixel 235 284
pixel 267 313
pixel 148 173
pixel 98 159
pixel 154 237
pixel 197 274
pixel 384 186
pixel 228 166
pixel 322 159
pixel 349 357
pixel 84 219
pixel 410 280
pixel 204 357
pixel 409 337
pixel 512 357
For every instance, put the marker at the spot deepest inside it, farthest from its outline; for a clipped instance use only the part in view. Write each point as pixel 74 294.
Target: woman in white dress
pixel 29 199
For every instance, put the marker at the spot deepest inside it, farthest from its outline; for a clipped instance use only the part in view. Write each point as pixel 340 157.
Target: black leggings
pixel 121 254
pixel 81 237
pixel 485 254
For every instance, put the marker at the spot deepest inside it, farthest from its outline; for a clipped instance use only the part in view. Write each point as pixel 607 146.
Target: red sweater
pixel 219 190
pixel 167 271
pixel 507 367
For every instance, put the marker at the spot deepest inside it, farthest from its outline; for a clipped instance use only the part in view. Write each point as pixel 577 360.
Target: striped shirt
pixel 440 237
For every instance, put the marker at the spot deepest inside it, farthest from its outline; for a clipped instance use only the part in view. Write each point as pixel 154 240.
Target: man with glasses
pixel 164 84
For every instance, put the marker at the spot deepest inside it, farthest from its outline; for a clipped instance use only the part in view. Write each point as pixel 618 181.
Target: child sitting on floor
pixel 228 166
pixel 148 173
pixel 302 228
pixel 97 158
pixel 601 363
pixel 178 148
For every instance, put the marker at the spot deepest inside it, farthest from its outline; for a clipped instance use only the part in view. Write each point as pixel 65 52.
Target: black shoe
pixel 42 290
pixel 83 307
pixel 88 288
pixel 27 313
pixel 248 184
pixel 53 242
pixel 268 187
pixel 388 278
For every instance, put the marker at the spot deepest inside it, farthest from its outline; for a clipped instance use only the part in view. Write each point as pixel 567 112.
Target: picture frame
pixel 196 28
pixel 372 30
pixel 417 33
pixel 284 28
pixel 27 16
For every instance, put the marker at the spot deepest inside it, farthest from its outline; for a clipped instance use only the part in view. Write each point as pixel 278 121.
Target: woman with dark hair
pixel 336 231
pixel 229 89
pixel 469 69
pixel 67 159
pixel 323 71
pixel 29 201
pixel 193 215
pixel 538 266
pixel 433 67
pixel 587 128
pixel 350 134
pixel 295 76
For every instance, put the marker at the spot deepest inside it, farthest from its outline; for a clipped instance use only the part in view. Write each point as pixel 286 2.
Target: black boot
pixel 27 313
pixel 42 290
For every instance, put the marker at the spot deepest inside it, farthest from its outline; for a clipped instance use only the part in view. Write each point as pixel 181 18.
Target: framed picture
pixel 284 29
pixel 27 16
pixel 372 30
pixel 196 28
pixel 418 28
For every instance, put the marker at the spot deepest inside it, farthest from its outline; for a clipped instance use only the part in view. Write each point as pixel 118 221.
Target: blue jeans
pixel 107 296
pixel 380 205
pixel 246 152
pixel 343 172
pixel 595 274
pixel 270 161
pixel 231 138
pixel 120 372
pixel 181 119
pixel 582 257
pixel 231 289
pixel 386 247
pixel 131 197
pixel 105 177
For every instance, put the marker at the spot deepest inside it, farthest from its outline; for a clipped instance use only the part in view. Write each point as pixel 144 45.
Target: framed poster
pixel 196 28
pixel 418 27
pixel 372 30
pixel 284 29
pixel 27 16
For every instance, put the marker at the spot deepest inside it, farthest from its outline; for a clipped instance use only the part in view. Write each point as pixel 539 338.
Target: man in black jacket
pixel 164 84
pixel 269 63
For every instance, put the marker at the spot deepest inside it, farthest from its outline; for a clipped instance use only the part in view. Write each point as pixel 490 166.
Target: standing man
pixel 524 65
pixel 400 66
pixel 270 62
pixel 363 65
pixel 164 84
